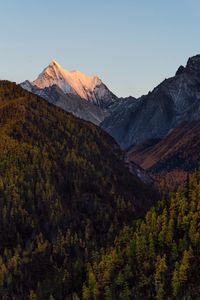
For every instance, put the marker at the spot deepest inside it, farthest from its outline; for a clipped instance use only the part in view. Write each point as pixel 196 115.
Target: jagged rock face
pixel 80 108
pixel 152 116
pixel 89 88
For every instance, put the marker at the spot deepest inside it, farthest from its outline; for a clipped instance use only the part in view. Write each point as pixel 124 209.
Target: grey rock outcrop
pixel 152 116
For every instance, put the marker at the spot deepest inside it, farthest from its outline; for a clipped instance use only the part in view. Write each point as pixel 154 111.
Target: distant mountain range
pixel 130 121
pixel 156 129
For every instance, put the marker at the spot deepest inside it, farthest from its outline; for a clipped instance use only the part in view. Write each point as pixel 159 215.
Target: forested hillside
pixel 156 258
pixel 64 194
pixel 72 217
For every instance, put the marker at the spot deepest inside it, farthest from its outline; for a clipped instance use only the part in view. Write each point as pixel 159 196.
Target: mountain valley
pixel 86 212
pixel 65 192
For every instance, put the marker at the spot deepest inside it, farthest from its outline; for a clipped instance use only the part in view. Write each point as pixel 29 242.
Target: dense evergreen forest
pixel 64 193
pixel 72 217
pixel 158 257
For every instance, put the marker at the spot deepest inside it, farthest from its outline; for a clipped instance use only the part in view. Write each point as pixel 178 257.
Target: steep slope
pixel 90 88
pixel 138 171
pixel 175 100
pixel 156 258
pixel 64 193
pixel 173 157
pixel 179 149
pixel 69 102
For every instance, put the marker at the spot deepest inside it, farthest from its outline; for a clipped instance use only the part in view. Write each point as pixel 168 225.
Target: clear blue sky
pixel 131 44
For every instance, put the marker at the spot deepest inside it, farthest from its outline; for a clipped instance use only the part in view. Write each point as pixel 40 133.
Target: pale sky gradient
pixel 132 45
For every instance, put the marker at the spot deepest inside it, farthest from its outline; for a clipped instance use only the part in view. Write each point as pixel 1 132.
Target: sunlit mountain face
pixel 90 88
pixel 87 97
pixel 73 82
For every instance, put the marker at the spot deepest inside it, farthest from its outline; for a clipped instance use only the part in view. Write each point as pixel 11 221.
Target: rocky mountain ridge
pixel 152 116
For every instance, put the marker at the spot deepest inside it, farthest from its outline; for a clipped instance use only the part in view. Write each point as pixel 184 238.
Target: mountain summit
pixel 73 82
pixel 90 88
pixel 153 116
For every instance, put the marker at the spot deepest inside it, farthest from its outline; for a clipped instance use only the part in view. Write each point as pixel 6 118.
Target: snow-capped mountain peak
pixel 75 82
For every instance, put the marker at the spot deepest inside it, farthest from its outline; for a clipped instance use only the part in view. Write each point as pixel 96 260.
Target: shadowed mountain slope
pixel 152 116
pixel 64 193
